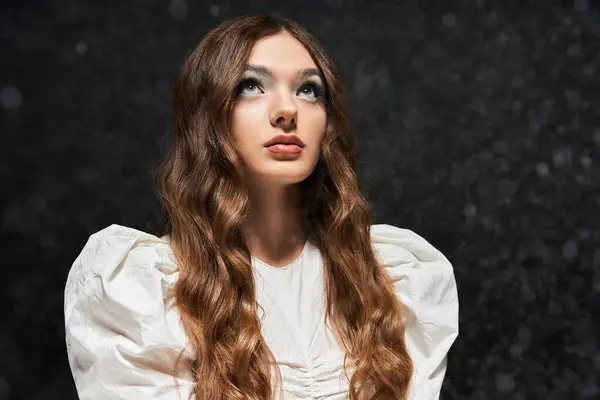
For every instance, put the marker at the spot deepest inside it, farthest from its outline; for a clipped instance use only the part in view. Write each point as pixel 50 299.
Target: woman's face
pixel 281 93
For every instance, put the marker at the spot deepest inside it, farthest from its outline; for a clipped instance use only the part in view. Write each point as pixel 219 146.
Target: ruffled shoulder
pixel 109 250
pixel 123 331
pixel 424 281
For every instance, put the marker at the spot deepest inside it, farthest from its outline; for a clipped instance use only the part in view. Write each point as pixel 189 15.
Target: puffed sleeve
pixel 123 332
pixel 424 281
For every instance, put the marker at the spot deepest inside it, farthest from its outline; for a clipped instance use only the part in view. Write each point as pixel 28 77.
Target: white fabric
pixel 123 331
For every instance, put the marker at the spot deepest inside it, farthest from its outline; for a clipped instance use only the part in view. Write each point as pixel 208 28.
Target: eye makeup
pixel 247 82
pixel 251 86
pixel 315 87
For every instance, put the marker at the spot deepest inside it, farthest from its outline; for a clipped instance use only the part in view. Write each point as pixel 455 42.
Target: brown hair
pixel 202 186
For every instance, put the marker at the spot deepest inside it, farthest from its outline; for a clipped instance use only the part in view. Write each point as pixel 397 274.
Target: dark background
pixel 478 128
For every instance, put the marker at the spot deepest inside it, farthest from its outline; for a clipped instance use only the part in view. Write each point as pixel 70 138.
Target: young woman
pixel 269 280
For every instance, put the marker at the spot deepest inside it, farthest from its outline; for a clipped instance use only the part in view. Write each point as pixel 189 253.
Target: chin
pixel 286 176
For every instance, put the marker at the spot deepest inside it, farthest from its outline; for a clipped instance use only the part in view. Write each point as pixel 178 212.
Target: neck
pixel 274 226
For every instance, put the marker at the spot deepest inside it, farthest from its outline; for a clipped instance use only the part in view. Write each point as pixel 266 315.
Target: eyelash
pixel 316 88
pixel 246 81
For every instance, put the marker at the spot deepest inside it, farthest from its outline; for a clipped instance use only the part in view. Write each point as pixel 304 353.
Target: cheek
pixel 317 122
pixel 243 124
pixel 236 124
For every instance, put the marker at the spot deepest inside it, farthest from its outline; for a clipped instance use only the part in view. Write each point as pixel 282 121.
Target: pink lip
pixel 285 139
pixel 285 148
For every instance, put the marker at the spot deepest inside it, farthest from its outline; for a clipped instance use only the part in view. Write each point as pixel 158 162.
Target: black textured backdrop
pixel 478 128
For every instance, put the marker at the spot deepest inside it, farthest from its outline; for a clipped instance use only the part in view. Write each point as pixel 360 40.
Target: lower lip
pixel 285 148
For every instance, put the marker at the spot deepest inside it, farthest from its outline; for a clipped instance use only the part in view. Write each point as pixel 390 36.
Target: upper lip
pixel 285 139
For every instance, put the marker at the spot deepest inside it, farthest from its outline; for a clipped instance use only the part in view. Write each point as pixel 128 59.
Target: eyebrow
pixel 302 73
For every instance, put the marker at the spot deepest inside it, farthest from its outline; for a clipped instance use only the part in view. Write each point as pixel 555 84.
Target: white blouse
pixel 123 331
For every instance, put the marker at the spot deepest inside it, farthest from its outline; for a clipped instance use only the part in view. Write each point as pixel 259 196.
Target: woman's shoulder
pixel 123 331
pixel 423 279
pixel 396 245
pixel 422 276
pixel 124 260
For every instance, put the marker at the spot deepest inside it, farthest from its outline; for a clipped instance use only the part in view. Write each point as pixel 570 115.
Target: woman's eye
pixel 310 89
pixel 249 86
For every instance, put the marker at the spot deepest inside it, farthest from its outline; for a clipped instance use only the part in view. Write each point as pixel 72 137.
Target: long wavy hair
pixel 203 189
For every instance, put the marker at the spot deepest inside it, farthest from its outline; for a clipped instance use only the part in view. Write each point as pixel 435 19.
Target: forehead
pixel 281 52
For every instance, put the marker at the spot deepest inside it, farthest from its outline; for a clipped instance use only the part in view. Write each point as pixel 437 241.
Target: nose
pixel 284 114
